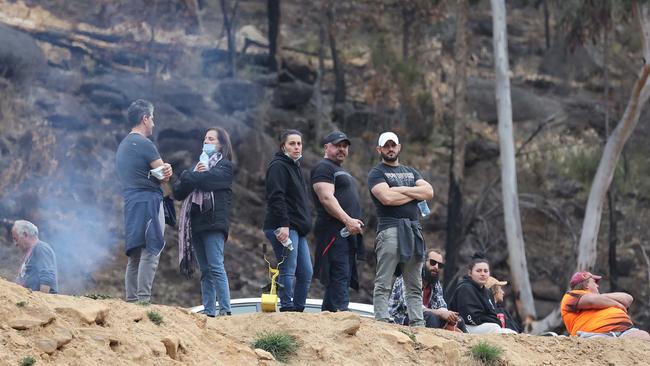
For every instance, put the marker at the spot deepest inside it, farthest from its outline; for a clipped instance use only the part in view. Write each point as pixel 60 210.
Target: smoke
pixel 69 192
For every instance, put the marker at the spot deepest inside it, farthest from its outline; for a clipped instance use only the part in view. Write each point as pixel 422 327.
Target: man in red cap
pixel 588 313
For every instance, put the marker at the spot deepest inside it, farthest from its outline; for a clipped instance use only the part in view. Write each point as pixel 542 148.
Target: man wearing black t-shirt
pixel 396 190
pixel 337 205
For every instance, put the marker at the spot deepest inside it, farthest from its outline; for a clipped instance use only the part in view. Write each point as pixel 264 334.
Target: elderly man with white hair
pixel 38 270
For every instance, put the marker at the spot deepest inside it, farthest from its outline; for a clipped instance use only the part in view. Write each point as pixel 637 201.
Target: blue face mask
pixel 209 148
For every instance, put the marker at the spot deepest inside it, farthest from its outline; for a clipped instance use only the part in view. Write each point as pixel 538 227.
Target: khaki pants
pixel 387 251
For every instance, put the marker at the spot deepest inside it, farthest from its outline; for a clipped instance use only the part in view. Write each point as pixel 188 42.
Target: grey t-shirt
pixel 133 159
pixel 40 269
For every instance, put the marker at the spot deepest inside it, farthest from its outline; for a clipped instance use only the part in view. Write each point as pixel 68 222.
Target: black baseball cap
pixel 335 137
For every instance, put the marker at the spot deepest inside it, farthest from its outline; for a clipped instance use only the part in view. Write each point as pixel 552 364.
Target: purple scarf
pixel 186 256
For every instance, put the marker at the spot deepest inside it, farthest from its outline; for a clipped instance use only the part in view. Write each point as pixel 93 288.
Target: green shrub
pixel 28 361
pixel 155 317
pixel 143 303
pixel 21 304
pixel 280 344
pixel 97 296
pixel 486 353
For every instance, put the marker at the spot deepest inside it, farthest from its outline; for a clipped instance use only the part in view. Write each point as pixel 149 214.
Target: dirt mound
pixel 67 330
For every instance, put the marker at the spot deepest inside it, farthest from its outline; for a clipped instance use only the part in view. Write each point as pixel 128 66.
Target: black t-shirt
pixel 345 191
pixel 394 176
pixel 133 162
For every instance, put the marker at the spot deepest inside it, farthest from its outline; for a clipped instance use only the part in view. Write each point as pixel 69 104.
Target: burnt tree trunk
pixel 457 159
pixel 339 72
pixel 273 11
pixel 229 23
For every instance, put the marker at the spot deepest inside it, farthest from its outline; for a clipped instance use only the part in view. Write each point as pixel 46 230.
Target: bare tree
pixel 615 143
pixel 514 236
pixel 457 159
pixel 587 248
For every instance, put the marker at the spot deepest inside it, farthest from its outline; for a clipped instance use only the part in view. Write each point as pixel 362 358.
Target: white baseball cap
pixel 387 136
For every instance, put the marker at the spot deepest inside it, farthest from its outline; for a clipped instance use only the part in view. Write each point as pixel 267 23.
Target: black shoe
pixel 287 309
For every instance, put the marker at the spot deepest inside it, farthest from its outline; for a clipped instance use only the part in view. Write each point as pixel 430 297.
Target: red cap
pixel 578 277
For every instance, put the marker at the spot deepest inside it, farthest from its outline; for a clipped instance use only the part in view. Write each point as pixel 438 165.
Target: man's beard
pixel 427 277
pixel 389 159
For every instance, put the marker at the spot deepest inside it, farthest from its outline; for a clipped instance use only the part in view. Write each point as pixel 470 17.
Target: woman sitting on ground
pixel 474 302
pixel 498 293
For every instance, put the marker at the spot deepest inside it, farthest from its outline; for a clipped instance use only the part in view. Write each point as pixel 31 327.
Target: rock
pixel 238 95
pixel 46 345
pixel 264 355
pixel 525 104
pixel 300 71
pixel 396 337
pixel 157 348
pixel 21 59
pixel 24 322
pixel 62 337
pixel 100 335
pixel 480 149
pixel 88 313
pixel 546 289
pixel 292 95
pixel 350 324
pixel 173 346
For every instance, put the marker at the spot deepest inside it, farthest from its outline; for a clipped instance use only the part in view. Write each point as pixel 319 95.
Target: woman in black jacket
pixel 204 219
pixel 288 218
pixel 474 302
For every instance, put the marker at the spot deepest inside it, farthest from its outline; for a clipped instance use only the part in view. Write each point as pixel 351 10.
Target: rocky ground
pixel 67 330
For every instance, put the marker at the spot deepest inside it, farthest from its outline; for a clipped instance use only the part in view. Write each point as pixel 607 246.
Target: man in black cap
pixel 338 227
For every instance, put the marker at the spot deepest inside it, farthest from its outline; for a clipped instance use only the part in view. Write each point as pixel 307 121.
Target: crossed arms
pixel 620 300
pixel 397 196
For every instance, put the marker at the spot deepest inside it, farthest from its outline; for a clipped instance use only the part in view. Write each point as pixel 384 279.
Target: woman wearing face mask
pixel 474 302
pixel 288 217
pixel 204 219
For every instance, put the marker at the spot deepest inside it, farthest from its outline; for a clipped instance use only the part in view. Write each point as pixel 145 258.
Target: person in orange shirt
pixel 588 313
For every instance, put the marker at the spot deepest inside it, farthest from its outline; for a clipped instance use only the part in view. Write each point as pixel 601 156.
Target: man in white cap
pixel 396 190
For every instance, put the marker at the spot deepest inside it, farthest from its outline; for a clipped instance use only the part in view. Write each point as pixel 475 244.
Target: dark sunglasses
pixel 433 262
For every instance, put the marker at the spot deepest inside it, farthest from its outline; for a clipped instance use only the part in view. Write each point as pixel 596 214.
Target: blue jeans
pixel 208 247
pixel 295 271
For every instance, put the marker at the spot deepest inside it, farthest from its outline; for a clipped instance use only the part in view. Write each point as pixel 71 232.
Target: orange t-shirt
pixel 611 319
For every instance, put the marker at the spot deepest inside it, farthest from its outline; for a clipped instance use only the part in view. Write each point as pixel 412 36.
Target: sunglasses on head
pixel 433 262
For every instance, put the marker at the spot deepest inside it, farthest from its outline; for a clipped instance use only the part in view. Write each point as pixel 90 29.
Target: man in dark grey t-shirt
pixel 144 220
pixel 396 190
pixel 38 271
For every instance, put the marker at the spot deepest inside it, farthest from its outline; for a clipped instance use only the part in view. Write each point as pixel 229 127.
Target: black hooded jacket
pixel 286 196
pixel 474 304
pixel 218 180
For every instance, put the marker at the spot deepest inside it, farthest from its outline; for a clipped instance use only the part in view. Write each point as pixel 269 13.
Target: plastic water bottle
pixel 287 243
pixel 424 208
pixel 204 159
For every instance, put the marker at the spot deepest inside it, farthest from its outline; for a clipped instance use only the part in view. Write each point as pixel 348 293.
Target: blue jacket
pixel 141 225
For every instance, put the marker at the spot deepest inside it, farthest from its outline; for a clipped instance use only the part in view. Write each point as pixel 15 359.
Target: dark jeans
pixel 337 290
